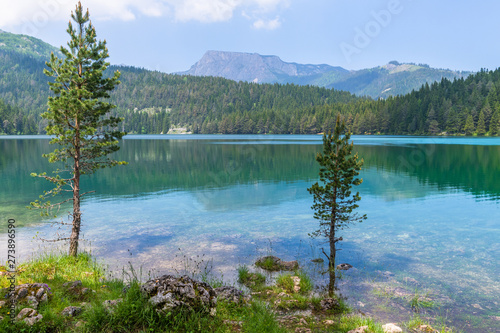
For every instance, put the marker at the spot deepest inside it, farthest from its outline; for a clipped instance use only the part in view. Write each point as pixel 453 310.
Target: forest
pixel 153 102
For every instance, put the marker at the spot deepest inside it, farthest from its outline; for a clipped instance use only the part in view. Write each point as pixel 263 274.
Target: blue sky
pixel 171 35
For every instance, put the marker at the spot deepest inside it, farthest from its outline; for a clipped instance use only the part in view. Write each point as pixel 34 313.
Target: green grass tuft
pixel 253 281
pixel 261 319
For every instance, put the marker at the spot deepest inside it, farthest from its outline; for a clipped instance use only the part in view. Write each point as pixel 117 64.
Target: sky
pixel 171 35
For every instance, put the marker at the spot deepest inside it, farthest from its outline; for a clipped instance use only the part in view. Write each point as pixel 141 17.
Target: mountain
pixel 389 80
pixel 383 81
pixel 253 67
pixel 26 45
pixel 149 101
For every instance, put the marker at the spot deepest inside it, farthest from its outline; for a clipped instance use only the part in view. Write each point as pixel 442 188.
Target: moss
pixel 268 264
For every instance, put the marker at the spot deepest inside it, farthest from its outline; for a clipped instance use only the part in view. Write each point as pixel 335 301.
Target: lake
pixel 213 202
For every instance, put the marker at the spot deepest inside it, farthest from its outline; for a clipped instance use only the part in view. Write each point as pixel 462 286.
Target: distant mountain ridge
pixel 26 45
pixel 253 67
pixel 383 81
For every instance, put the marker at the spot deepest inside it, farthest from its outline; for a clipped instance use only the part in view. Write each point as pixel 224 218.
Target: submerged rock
pixel 273 263
pixel 169 293
pixel 344 267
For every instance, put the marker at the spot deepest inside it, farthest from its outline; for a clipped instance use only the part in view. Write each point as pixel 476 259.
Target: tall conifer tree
pixel 78 117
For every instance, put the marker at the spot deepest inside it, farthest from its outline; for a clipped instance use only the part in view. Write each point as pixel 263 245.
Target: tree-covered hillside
pixel 463 107
pixel 152 102
pixel 26 45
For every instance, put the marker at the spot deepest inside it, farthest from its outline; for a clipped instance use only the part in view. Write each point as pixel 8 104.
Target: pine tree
pixel 78 117
pixel 481 127
pixel 469 125
pixel 432 123
pixel 333 203
pixel 495 123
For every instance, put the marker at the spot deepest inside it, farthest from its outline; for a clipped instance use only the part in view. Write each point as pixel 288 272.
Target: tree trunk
pixel 75 230
pixel 331 261
pixel 77 215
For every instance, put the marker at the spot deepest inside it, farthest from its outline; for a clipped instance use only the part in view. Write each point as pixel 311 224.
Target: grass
pixel 418 302
pixel 254 281
pixel 416 322
pixel 264 313
pixel 286 282
pixel 260 318
pixel 133 314
pixel 352 322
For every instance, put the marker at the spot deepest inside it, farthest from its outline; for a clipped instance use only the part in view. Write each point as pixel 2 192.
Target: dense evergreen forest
pixel 150 101
pixel 153 102
pixel 463 107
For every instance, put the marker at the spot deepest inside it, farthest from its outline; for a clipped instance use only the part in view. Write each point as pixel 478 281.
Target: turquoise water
pixel 219 201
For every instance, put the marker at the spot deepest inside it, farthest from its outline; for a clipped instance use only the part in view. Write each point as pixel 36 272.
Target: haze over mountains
pixel 383 81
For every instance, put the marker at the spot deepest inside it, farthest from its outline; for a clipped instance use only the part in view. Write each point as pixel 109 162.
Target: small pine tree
pixel 495 123
pixel 78 117
pixel 469 125
pixel 481 126
pixel 333 202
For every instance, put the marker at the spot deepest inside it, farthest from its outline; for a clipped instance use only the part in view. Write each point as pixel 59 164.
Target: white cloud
pixel 205 11
pixel 267 24
pixel 36 13
pixel 270 5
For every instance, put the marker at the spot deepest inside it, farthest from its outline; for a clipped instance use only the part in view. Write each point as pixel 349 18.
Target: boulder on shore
pixel 76 289
pixel 29 316
pixel 231 295
pixel 71 311
pixel 328 304
pixel 31 294
pixel 391 328
pixel 170 293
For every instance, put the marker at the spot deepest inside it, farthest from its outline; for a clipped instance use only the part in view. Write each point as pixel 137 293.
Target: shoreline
pixel 290 311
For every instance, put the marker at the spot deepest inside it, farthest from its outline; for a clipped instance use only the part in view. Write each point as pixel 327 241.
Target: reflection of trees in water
pixel 470 168
pixel 157 165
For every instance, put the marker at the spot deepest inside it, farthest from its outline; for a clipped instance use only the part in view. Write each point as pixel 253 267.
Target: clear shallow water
pixel 433 210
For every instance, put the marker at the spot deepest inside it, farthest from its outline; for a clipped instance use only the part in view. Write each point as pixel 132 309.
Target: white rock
pixel 391 328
